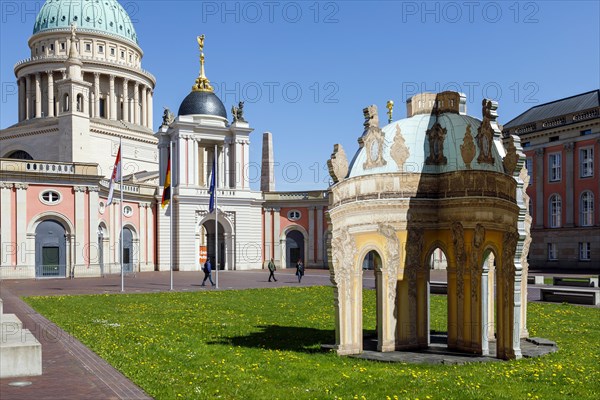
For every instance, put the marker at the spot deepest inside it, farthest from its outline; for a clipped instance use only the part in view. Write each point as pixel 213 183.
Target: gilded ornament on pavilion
pixel 399 151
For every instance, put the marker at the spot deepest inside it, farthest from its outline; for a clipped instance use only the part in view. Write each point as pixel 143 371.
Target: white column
pixel 8 246
pixel 125 116
pixel 23 252
pixel 222 168
pixel 539 188
pixel 21 83
pixel 136 103
pixel 28 113
pixel 320 234
pixel 311 235
pixel 150 111
pixel 245 177
pixel 149 233
pixel 97 95
pixel 38 95
pixel 143 208
pixel 93 200
pixel 569 169
pixel 112 98
pixel 269 240
pixel 194 173
pixel 202 160
pixel 50 94
pixel 239 169
pixel 144 106
pixel 79 225
pixel 277 233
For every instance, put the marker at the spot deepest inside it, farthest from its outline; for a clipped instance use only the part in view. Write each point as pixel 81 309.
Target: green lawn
pixel 263 344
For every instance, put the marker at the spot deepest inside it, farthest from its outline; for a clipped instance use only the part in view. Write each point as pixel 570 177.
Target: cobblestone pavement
pixel 71 371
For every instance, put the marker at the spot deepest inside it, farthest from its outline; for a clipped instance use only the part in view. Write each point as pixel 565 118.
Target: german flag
pixel 166 196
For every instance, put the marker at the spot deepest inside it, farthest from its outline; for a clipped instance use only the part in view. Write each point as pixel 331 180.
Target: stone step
pixel 20 354
pixel 10 323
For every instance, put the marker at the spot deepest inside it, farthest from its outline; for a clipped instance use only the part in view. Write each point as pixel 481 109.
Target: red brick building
pixel 561 140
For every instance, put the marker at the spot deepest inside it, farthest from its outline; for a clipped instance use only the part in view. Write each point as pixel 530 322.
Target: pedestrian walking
pixel 207 273
pixel 299 269
pixel 272 270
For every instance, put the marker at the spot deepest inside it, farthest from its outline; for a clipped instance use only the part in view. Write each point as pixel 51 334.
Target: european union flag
pixel 212 190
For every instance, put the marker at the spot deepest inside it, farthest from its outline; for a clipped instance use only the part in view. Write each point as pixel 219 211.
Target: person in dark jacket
pixel 272 270
pixel 299 269
pixel 207 273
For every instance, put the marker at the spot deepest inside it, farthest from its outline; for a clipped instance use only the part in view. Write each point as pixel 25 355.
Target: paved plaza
pixel 71 371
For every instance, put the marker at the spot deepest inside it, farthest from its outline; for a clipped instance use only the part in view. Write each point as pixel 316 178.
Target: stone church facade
pixel 82 91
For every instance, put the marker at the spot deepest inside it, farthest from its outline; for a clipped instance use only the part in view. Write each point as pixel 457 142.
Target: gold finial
pixel 202 83
pixel 390 107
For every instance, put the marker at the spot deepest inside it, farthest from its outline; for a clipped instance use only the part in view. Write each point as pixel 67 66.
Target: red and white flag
pixel 116 176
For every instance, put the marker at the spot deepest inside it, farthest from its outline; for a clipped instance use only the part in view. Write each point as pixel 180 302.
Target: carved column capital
pixel 91 189
pixel 21 186
pixel 6 185
pixel 79 189
pixel 569 147
pixel 539 152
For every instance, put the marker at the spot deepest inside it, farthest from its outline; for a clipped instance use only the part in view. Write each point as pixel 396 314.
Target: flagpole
pixel 216 214
pixel 171 204
pixel 121 189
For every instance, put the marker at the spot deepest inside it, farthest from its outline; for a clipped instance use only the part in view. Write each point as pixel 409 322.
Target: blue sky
pixel 306 69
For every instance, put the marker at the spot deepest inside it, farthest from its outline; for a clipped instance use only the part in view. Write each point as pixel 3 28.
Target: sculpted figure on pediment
pixel 436 136
pixel 372 139
pixel 338 164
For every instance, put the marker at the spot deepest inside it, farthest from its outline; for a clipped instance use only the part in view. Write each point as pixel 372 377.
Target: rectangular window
pixel 43 49
pixel 123 55
pixel 51 47
pixel 586 162
pixel 585 250
pixel 112 51
pixel 586 132
pixel 63 46
pixel 552 252
pixel 526 144
pixel 101 49
pixel 554 167
pixel 529 166
pixel 102 108
pixel 554 139
pixel 88 47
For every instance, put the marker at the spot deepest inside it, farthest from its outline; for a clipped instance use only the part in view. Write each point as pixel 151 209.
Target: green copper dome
pixel 103 16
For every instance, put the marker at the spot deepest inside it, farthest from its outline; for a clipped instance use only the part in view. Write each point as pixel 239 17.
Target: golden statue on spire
pixel 202 83
pixel 390 107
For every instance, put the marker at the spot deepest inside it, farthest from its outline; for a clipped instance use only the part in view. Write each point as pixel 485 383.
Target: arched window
pixel 20 155
pixel 80 103
pixel 66 106
pixel 586 209
pixel 555 210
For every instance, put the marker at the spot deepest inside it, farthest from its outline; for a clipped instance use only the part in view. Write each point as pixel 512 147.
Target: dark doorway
pixel 294 245
pixel 209 226
pixel 51 250
pixel 127 250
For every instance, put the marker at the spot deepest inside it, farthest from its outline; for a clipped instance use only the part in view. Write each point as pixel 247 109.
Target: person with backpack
pixel 207 273
pixel 272 270
pixel 299 270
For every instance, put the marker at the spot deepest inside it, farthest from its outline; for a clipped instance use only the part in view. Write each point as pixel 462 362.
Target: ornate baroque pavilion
pixel 436 180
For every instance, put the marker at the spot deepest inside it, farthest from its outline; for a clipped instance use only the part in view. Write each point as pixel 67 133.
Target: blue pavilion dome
pixel 103 16
pixel 413 130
